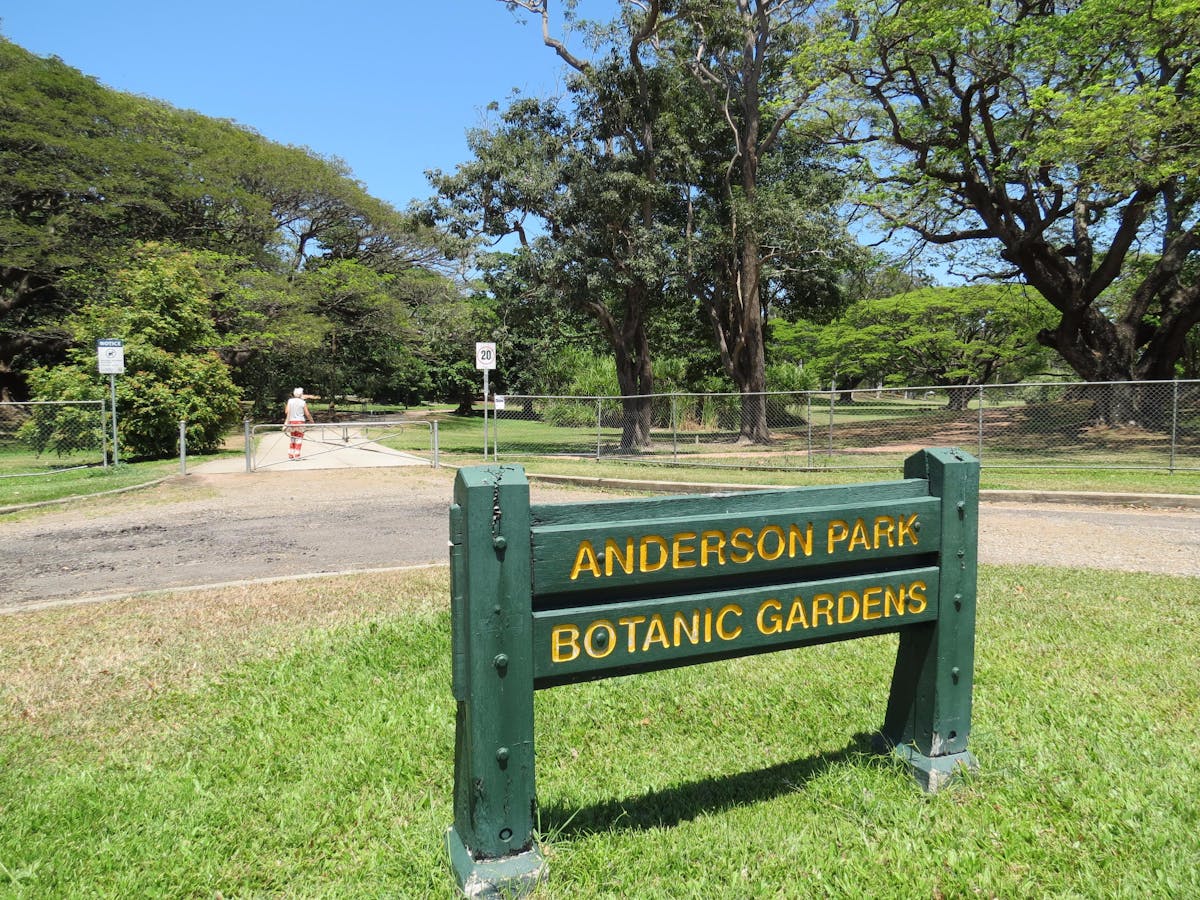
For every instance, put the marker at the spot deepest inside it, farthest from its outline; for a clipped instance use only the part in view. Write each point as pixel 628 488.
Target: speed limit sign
pixel 485 355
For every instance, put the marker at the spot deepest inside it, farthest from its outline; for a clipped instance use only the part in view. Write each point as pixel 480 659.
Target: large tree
pixel 88 173
pixel 705 98
pixel 955 337
pixel 762 222
pixel 1060 140
pixel 593 172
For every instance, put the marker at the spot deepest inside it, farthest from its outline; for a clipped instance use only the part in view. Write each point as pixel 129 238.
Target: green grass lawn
pixel 285 742
pixel 19 490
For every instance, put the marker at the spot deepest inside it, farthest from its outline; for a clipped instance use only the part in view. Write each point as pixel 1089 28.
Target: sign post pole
pixel 485 359
pixel 110 356
pixel 112 387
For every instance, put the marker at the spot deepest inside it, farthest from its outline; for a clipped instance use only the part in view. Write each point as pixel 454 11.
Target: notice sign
pixel 485 355
pixel 110 354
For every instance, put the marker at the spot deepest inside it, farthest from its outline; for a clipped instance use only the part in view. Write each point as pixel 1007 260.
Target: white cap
pixel 298 392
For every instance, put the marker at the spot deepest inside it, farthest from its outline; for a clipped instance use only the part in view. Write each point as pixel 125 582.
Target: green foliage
pixel 62 430
pixel 158 306
pixel 1049 140
pixel 87 173
pixel 932 336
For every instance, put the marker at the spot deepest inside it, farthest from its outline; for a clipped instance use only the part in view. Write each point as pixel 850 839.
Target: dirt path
pixel 206 529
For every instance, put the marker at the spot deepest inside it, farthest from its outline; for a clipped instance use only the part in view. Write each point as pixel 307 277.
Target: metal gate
pixel 336 445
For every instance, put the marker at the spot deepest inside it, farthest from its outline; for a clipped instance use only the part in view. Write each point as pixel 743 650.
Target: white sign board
pixel 500 398
pixel 485 355
pixel 110 353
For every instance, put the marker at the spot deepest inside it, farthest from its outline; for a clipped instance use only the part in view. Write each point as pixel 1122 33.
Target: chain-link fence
pixel 1135 425
pixel 44 437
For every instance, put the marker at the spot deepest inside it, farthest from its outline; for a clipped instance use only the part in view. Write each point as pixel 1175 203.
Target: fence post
pixel 979 455
pixel 1174 421
pixel 183 446
pixel 832 398
pixel 249 446
pixel 434 439
pixel 674 433
pixel 808 416
pixel 599 401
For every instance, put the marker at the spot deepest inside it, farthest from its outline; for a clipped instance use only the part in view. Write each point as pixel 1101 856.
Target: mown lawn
pixel 296 742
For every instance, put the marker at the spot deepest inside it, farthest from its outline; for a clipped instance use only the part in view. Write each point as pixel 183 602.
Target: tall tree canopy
pixel 683 184
pixel 1059 138
pixel 87 174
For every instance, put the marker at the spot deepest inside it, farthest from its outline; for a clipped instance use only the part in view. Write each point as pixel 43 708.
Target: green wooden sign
pixel 550 595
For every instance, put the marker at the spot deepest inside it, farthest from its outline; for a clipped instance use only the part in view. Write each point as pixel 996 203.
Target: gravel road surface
pixel 207 529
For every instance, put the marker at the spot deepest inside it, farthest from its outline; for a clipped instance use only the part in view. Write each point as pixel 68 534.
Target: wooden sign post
pixel 557 594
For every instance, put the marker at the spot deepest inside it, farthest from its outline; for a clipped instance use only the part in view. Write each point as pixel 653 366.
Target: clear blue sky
pixel 390 86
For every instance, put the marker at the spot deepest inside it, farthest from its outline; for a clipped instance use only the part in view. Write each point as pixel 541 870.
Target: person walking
pixel 295 415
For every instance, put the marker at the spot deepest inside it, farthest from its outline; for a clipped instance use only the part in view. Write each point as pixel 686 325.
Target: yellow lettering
pixel 606 644
pixel 822 605
pixel 708 626
pixel 916 597
pixel 631 623
pixel 680 549
pixel 907 526
pixel 844 616
pixel 681 627
pixel 648 541
pixel 859 536
pixel 885 527
pixel 585 558
pixel 743 545
pixel 613 552
pixel 796 615
pixel 892 603
pixel 871 599
pixel 656 633
pixel 803 538
pixel 774 619
pixel 564 643
pixel 779 542
pixel 712 542
pixel 726 610
pixel 839 530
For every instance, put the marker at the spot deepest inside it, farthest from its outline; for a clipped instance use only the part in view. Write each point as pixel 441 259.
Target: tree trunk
pixel 750 364
pixel 636 381
pixel 960 397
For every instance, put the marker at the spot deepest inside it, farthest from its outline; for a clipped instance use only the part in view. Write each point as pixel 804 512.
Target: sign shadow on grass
pixel 680 803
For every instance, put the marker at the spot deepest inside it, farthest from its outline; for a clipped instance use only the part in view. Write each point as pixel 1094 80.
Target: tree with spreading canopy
pixel 1059 141
pixel 935 336
pixel 88 174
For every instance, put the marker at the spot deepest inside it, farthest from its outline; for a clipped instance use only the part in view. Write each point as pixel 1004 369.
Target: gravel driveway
pixel 208 529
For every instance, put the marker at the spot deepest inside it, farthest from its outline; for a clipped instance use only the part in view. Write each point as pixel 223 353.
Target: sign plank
pixel 605 556
pixel 579 643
